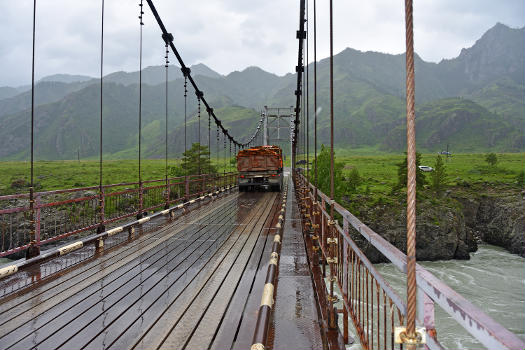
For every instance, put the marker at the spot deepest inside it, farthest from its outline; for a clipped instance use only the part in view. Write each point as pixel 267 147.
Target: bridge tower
pixel 278 124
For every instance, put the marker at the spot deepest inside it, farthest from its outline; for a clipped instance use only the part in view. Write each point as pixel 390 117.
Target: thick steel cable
pixel 140 107
pixel 411 173
pixel 32 247
pixel 101 226
pixel 187 70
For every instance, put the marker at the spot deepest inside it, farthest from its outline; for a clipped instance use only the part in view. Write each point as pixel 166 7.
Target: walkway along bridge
pixel 191 263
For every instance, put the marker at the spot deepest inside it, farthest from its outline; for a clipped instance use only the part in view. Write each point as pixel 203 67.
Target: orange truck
pixel 260 168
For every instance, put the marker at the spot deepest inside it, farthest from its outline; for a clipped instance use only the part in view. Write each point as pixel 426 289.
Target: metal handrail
pixel 481 326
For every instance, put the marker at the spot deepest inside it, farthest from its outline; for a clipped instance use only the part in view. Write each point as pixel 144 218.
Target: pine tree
pixel 402 173
pixel 439 176
pixel 191 164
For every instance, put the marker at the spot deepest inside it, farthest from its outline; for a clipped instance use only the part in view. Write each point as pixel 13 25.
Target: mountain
pixel 475 102
pixel 7 91
pixel 155 75
pixel 462 123
pixel 66 78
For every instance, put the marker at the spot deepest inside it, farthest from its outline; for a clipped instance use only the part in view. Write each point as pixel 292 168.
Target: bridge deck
pixel 186 285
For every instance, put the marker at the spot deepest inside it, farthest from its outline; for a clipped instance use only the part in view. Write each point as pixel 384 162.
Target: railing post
pixel 101 214
pixel 186 188
pixel 345 280
pixel 141 200
pixel 425 312
pixel 168 194
pixel 37 219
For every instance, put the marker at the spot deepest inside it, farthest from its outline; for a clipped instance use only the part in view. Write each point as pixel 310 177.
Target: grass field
pixel 53 175
pixel 379 172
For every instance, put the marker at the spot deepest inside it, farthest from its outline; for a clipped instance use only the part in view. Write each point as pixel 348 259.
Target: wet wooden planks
pixel 184 287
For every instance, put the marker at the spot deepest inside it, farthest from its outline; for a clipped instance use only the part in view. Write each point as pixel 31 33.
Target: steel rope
pixel 411 173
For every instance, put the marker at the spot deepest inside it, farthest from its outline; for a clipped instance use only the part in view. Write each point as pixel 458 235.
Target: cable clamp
pixel 331 260
pixel 333 299
pixel 332 222
pixel 401 336
pixel 331 241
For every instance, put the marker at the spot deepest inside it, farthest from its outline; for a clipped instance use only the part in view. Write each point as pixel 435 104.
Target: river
pixel 493 280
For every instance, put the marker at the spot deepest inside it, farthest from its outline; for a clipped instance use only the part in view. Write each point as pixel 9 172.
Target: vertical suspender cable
pixel 140 112
pixel 166 126
pixel 199 130
pixel 185 120
pixel 332 311
pixel 411 173
pixel 315 96
pixel 100 198
pixel 307 96
pixel 331 113
pixel 217 146
pixel 33 249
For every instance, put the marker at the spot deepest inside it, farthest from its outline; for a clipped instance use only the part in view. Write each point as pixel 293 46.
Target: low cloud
pixel 230 35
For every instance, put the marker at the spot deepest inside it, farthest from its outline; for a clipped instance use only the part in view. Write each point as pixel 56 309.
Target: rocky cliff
pixel 497 216
pixel 450 227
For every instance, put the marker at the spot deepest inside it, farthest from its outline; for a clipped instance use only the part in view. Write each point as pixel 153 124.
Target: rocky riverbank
pixel 449 227
pixel 496 215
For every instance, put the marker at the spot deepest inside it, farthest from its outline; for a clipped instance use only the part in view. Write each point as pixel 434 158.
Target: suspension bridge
pixel 189 262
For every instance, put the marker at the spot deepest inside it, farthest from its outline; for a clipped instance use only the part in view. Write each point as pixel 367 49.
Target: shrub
pixel 491 158
pixel 438 176
pixel 520 179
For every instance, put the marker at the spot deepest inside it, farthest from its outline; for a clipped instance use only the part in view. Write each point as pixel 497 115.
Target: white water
pixel 493 280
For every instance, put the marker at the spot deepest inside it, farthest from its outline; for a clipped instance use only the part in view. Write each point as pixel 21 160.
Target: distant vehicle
pixel 445 153
pixel 260 167
pixel 425 168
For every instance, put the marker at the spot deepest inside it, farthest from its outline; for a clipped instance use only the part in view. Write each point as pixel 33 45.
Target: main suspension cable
pixel 186 72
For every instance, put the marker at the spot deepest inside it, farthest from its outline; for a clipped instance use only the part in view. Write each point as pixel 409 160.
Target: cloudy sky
pixel 230 35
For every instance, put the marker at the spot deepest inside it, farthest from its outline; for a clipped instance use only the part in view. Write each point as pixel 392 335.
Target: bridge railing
pixel 63 213
pixel 367 298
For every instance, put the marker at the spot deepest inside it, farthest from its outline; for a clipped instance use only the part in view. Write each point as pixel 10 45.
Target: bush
pixel 354 180
pixel 19 184
pixel 520 179
pixel 402 174
pixel 438 176
pixel 491 158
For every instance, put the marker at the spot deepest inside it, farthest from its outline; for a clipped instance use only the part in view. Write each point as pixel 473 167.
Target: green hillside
pixel 474 103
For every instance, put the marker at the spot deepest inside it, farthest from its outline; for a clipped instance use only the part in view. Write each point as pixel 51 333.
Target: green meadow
pixel 378 171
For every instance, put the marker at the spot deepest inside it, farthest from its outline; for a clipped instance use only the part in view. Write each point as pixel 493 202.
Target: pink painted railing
pixel 62 213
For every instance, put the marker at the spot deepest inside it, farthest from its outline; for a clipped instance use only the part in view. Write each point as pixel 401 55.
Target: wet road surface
pixel 188 285
pixel 295 320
